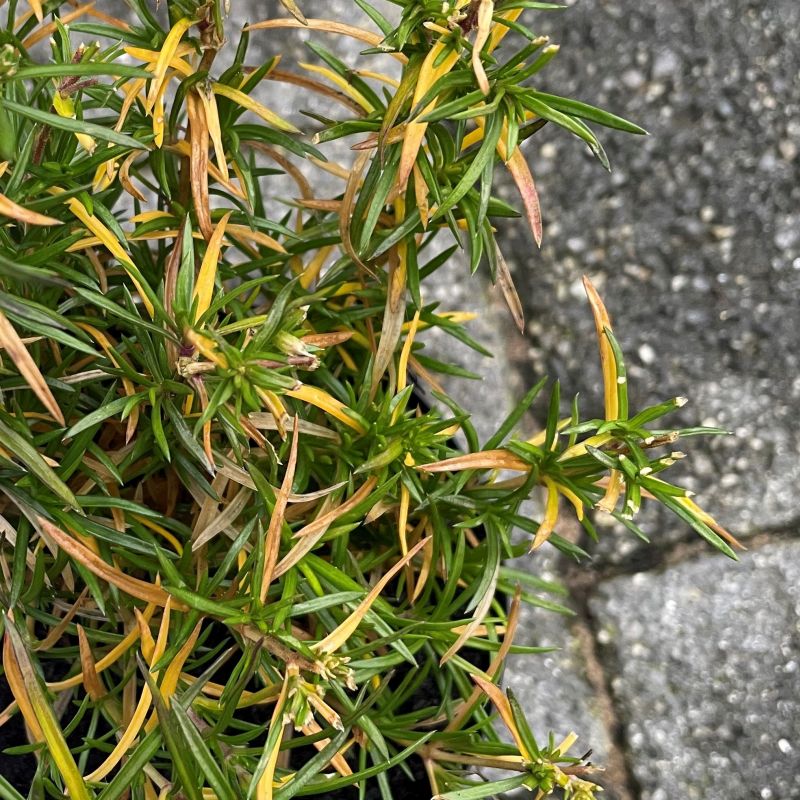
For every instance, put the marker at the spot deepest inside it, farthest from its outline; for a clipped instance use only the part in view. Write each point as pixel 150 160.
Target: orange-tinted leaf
pixel 328 26
pixel 503 707
pixel 487 459
pixel 91 680
pixel 607 361
pixel 133 586
pixel 8 208
pixel 522 176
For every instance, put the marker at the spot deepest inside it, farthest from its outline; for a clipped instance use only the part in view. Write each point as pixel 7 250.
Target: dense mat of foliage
pixel 239 557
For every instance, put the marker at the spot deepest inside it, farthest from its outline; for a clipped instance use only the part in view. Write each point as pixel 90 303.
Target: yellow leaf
pixel 206 346
pixel 402 365
pixel 573 498
pixel 321 399
pixel 499 31
pixel 578 449
pixel 550 514
pixel 36 7
pixel 132 90
pixel 159 115
pixel 140 713
pixel 338 80
pixel 110 658
pixel 166 55
pixel 212 123
pixel 607 361
pixel 204 289
pixel 240 232
pixel 177 62
pixel 430 72
pixel 64 105
pixel 43 712
pixel 337 637
pixel 13 676
pixel 265 781
pixel 247 102
pixel 10 340
pixel 125 180
pixel 312 269
pixel 95 226
pixel 86 142
pixel 149 216
pixel 704 516
pixel 172 673
pixel 402 519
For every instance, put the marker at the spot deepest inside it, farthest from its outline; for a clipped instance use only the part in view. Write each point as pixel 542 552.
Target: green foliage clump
pixel 239 556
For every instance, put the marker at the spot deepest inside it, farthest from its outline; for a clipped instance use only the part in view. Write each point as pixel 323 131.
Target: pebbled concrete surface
pixel 694 239
pixel 704 659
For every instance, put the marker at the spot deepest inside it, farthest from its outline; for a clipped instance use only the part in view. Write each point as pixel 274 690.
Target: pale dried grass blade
pixel 506 283
pixel 14 346
pixel 273 541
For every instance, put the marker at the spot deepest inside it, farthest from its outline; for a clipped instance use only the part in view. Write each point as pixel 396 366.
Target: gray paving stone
pixel 694 239
pixel 705 659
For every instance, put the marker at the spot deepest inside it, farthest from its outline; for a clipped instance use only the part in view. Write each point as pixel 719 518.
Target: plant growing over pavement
pixel 240 557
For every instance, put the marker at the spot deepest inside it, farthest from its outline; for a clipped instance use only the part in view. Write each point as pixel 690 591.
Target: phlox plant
pixel 241 556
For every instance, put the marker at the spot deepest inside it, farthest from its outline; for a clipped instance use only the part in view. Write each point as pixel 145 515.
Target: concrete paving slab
pixel 704 660
pixel 694 238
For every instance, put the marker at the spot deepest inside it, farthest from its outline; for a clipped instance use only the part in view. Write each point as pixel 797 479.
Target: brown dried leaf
pixel 91 680
pixel 198 161
pixel 506 283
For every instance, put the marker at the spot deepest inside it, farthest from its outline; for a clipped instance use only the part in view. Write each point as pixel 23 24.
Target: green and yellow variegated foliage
pixel 239 557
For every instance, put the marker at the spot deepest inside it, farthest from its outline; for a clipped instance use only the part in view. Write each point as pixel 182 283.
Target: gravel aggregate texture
pixel 704 660
pixel 693 239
